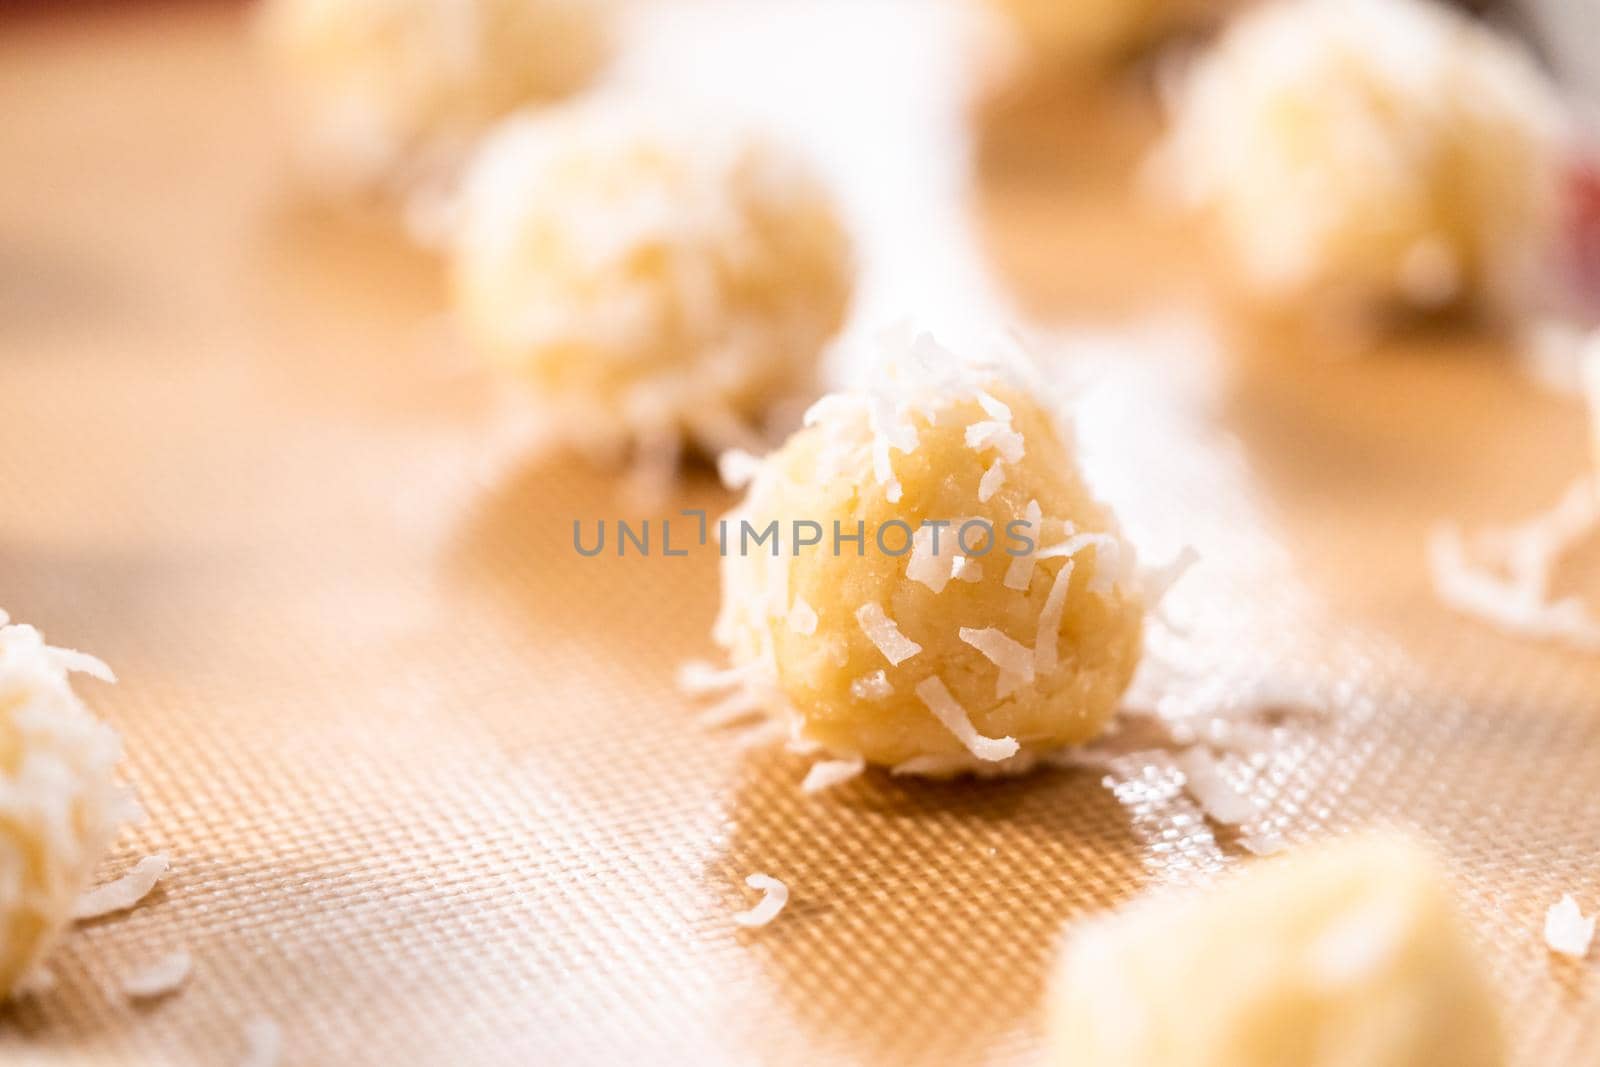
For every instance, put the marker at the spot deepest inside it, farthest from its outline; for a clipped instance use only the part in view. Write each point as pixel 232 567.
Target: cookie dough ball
pixel 1008 632
pixel 649 280
pixel 60 807
pixel 386 91
pixel 1347 955
pixel 1377 153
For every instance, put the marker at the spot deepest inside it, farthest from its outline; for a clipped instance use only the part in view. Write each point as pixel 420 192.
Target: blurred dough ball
pixel 1087 36
pixel 652 281
pixel 387 93
pixel 942 655
pixel 60 807
pixel 1348 954
pixel 1374 152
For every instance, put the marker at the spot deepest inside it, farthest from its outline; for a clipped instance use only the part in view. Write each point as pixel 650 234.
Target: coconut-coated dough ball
pixel 651 281
pixel 60 806
pixel 1349 954
pixel 383 89
pixel 1378 152
pixel 933 657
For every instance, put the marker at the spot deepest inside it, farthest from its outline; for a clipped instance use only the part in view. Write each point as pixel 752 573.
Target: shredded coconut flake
pixel 992 480
pixel 925 565
pixel 993 407
pixel 761 735
pixel 889 430
pixel 1020 573
pixel 825 774
pixel 1107 562
pixel 1566 931
pixel 874 686
pixel 1214 793
pixel 949 766
pixel 733 708
pixel 802 617
pixel 885 635
pixel 80 663
pixel 1158 581
pixel 125 892
pixel 963 569
pixel 738 468
pixel 1055 606
pixel 159 978
pixel 998 436
pixel 1268 844
pixel 1016 663
pixel 774 896
pixel 932 692
pixel 1516 596
pixel 698 677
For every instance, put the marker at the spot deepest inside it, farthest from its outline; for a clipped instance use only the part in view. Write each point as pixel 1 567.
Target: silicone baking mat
pixel 429 791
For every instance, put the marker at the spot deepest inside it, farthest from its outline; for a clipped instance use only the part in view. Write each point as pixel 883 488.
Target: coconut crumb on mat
pixel 158 978
pixel 1268 844
pixel 697 677
pixel 825 774
pixel 774 896
pixel 731 709
pixel 263 1041
pixel 125 892
pixel 1214 793
pixel 1509 585
pixel 1566 930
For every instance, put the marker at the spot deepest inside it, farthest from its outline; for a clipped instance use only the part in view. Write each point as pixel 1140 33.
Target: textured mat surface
pixel 428 789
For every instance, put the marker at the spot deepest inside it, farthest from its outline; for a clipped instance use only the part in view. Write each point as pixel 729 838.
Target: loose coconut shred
pixel 157 979
pixel 1506 582
pixel 1213 792
pixel 825 774
pixel 774 896
pixel 1503 577
pixel 125 892
pixel 1566 930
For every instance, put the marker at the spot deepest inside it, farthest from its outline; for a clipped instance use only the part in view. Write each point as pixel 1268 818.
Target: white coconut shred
pixel 775 895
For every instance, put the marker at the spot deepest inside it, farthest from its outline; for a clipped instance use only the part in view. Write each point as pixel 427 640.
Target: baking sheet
pixel 429 792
